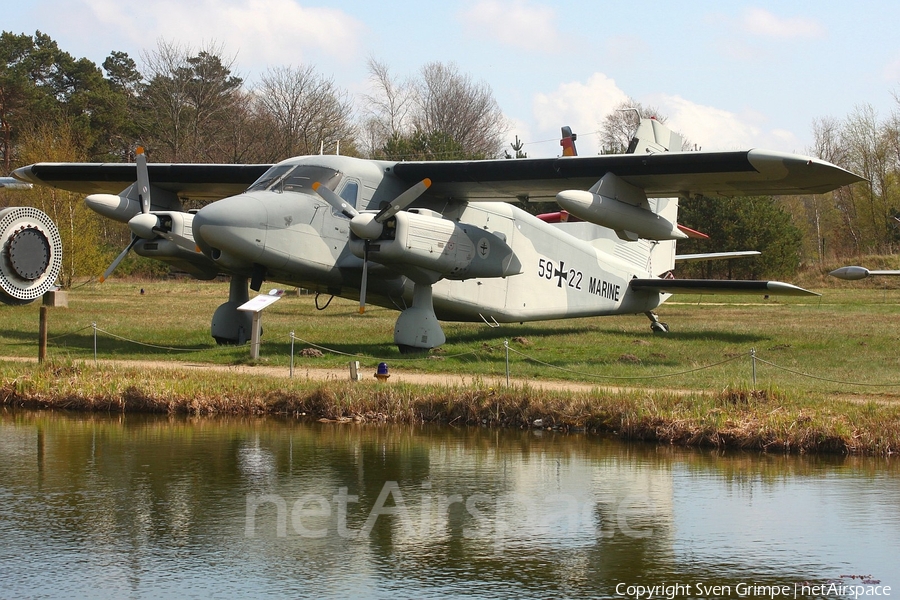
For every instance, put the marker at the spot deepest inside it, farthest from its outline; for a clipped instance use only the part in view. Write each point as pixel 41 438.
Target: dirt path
pixel 315 374
pixel 447 379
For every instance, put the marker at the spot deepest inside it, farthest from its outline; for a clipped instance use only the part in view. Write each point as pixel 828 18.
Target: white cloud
pixel 759 21
pixel 713 128
pixel 582 106
pixel 260 32
pixel 891 71
pixel 516 24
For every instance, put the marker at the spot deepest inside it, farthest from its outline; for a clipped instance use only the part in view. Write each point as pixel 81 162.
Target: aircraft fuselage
pixel 290 235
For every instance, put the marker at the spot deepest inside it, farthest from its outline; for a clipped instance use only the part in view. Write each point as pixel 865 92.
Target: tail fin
pixel 652 137
pixel 568 142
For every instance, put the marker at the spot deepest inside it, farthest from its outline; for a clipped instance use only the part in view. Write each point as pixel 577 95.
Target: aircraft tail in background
pixel 568 142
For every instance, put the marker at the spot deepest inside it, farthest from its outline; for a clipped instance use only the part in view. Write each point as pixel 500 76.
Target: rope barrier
pixel 374 358
pixel 124 339
pixel 837 381
pixel 49 339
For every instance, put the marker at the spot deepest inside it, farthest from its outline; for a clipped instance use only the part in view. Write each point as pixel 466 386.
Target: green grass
pixel 847 337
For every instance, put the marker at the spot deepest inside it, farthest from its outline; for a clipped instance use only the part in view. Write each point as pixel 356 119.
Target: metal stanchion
pixel 753 361
pixel 506 345
pixel 292 354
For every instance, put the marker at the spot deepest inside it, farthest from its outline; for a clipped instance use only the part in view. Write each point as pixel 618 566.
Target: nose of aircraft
pixel 233 227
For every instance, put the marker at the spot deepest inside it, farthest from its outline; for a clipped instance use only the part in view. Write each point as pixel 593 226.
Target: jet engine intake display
pixel 30 254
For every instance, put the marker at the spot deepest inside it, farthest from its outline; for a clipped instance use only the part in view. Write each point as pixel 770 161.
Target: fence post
pixel 753 361
pixel 292 354
pixel 506 345
pixel 42 335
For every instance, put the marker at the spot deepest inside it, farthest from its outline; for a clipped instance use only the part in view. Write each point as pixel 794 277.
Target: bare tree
pixel 619 126
pixel 386 112
pixel 306 112
pixel 451 104
pixel 829 144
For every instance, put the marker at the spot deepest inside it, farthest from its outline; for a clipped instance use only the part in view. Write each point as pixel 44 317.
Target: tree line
pixel 187 104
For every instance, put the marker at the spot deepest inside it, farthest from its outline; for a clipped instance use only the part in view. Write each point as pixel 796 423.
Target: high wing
pixel 660 175
pixel 200 181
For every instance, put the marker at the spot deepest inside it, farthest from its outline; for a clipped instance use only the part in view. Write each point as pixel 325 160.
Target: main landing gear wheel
pixel 30 254
pixel 230 326
pixel 656 326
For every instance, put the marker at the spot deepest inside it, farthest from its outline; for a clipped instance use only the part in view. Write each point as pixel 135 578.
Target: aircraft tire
pixel 659 327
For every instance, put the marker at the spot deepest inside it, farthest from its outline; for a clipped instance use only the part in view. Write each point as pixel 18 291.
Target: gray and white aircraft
pixel 11 183
pixel 856 273
pixel 440 240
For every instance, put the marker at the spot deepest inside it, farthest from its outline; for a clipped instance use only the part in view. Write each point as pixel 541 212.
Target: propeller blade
pixel 403 200
pixel 365 278
pixel 334 200
pixel 143 180
pixel 123 254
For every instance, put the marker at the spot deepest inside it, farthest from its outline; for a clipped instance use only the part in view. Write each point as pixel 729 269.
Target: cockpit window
pixel 269 177
pixel 296 178
pixel 350 192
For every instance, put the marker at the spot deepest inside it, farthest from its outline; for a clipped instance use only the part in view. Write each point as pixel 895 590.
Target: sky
pixel 727 75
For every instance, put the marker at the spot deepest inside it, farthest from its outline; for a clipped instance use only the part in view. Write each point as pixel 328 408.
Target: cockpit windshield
pixel 296 178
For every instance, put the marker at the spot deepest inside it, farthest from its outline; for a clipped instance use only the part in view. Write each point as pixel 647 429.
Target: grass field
pixel 843 343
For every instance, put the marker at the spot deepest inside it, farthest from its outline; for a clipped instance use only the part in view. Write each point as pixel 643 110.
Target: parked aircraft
pixel 855 273
pixel 11 183
pixel 440 240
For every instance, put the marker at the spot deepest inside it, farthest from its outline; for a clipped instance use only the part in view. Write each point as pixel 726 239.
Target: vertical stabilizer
pixel 652 137
pixel 568 142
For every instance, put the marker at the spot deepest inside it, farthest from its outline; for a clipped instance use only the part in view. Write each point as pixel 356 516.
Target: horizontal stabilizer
pixel 715 256
pixel 717 286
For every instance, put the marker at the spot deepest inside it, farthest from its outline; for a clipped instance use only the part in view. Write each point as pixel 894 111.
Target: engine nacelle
pixel 629 221
pixel 154 246
pixel 424 239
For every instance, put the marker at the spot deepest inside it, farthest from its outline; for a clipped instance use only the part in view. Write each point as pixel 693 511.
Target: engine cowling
pixel 424 239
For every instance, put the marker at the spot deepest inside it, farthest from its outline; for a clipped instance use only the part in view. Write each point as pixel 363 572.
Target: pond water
pixel 145 507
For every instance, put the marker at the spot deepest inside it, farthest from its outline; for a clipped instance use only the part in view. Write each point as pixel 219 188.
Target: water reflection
pixel 146 506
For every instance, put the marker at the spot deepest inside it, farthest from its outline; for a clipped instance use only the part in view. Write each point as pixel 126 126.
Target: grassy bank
pixel 767 420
